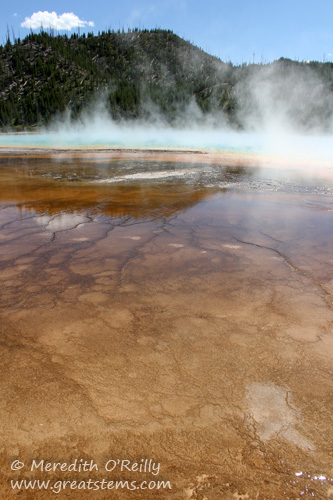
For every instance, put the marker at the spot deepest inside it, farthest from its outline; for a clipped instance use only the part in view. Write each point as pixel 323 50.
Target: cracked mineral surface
pixel 162 307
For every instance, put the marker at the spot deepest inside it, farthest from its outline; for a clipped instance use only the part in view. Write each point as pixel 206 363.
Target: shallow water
pixel 100 132
pixel 173 310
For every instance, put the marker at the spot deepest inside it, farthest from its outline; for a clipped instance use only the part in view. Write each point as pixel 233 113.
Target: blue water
pixel 138 137
pixel 278 143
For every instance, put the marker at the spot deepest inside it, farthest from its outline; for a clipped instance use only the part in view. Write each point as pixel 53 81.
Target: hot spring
pixel 169 301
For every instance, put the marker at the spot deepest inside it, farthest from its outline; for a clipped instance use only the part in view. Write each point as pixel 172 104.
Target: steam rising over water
pixel 103 133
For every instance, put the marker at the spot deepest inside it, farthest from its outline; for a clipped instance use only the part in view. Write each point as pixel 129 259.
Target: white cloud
pixel 65 21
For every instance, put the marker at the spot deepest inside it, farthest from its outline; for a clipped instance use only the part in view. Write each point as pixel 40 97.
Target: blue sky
pixel 234 30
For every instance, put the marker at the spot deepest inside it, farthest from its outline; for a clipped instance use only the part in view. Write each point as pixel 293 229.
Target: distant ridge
pixel 148 74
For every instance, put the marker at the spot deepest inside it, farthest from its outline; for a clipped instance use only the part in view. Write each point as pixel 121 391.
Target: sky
pixel 240 31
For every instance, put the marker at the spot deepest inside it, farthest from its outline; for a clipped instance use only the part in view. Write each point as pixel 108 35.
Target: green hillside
pixel 140 73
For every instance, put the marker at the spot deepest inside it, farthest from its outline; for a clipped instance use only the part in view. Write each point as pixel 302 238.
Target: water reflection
pixel 133 187
pixel 171 318
pixel 48 197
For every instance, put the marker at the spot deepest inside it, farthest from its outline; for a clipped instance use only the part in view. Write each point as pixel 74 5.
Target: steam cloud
pixel 282 113
pixel 283 110
pixel 285 97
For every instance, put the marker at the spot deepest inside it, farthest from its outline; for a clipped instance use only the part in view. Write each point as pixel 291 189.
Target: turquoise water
pixel 105 135
pixel 139 137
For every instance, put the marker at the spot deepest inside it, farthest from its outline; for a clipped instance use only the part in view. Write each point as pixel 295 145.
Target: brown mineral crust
pixel 193 328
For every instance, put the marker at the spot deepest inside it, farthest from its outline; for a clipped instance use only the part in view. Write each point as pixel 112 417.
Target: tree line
pixel 136 73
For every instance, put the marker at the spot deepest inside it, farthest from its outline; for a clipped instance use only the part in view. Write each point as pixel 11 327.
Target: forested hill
pixel 142 73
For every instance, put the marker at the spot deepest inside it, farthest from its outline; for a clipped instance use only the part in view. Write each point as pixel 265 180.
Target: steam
pixel 276 138
pixel 296 100
pixel 283 110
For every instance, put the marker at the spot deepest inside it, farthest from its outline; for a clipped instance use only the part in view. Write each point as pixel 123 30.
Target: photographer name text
pixel 145 465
